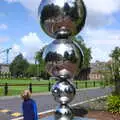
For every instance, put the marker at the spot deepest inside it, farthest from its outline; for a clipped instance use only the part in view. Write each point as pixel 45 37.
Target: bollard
pixel 6 89
pixel 49 86
pixel 30 87
pixel 85 84
pixel 94 83
pixel 76 84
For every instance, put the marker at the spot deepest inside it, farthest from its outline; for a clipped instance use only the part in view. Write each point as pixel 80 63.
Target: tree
pixel 39 60
pixel 49 11
pixel 85 67
pixel 86 52
pixel 19 66
pixel 115 55
pixel 31 71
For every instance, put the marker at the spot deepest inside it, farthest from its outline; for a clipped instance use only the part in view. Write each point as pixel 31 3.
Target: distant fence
pixel 30 86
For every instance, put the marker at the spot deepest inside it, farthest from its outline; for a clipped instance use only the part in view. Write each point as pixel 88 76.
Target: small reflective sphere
pixel 64 112
pixel 53 14
pixel 63 92
pixel 63 58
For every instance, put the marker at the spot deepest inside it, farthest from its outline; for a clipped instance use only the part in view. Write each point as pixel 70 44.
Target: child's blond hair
pixel 26 95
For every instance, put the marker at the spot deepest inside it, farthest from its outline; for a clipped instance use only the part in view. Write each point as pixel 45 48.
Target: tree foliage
pixel 19 66
pixel 41 65
pixel 31 71
pixel 115 55
pixel 39 60
pixel 53 11
pixel 86 52
pixel 85 68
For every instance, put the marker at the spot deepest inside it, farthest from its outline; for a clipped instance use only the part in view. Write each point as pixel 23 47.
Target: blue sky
pixel 20 29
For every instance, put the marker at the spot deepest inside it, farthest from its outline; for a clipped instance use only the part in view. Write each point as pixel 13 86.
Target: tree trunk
pixel 117 85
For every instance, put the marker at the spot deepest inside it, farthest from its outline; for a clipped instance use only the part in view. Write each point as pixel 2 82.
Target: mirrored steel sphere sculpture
pixel 63 92
pixel 56 13
pixel 63 57
pixel 63 112
pixel 62 19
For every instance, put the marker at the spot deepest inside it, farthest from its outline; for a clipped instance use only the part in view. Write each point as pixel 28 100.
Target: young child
pixel 29 106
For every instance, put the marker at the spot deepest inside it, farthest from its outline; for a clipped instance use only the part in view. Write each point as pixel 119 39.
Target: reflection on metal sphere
pixel 63 92
pixel 53 14
pixel 63 58
pixel 64 112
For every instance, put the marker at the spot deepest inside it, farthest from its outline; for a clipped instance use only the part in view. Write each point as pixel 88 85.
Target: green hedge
pixel 113 103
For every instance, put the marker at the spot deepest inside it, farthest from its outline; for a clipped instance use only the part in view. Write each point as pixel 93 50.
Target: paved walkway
pixel 11 106
pixel 3 116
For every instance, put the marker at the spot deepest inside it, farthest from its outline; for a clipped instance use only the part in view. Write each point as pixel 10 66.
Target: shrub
pixel 113 103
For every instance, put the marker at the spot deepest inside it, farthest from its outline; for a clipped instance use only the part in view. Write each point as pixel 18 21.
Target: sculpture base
pixel 75 118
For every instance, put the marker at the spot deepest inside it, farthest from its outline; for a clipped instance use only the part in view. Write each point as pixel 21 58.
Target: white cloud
pixel 28 46
pixel 3 27
pixel 1 55
pixel 31 5
pixel 3 39
pixel 31 43
pixel 16 49
pixel 103 6
pixel 102 42
pixel 100 13
pixel 99 54
pixel 1 59
pixel 11 1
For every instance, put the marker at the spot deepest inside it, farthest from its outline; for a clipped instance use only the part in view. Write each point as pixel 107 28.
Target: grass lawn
pixel 16 90
pixel 17 81
pixel 89 84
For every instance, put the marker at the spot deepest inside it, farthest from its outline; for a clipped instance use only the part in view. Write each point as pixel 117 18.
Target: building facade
pixel 4 68
pixel 97 70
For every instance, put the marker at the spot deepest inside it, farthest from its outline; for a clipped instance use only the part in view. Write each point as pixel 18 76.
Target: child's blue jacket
pixel 29 110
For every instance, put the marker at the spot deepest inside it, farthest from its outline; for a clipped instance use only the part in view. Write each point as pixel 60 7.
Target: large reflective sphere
pixel 63 92
pixel 64 112
pixel 53 14
pixel 63 58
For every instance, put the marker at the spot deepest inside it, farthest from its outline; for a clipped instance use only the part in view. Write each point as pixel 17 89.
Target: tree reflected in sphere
pixel 53 14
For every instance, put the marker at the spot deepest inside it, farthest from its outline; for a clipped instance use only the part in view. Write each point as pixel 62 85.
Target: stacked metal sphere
pixel 62 20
